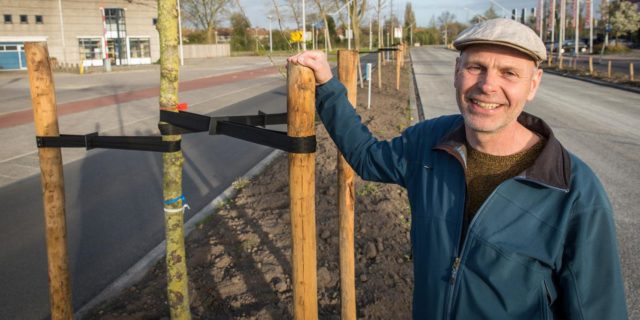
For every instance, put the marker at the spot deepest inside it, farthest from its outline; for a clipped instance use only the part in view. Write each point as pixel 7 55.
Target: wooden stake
pixel 43 99
pixel 631 78
pixel 347 61
pixel 359 71
pixel 301 113
pixel 575 63
pixel 590 65
pixel 398 54
pixel 609 69
pixel 379 69
pixel 560 60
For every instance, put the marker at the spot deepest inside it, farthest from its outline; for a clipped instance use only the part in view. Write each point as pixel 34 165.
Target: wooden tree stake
pixel 379 67
pixel 609 69
pixel 398 62
pixel 347 61
pixel 590 65
pixel 301 113
pixel 631 78
pixel 43 99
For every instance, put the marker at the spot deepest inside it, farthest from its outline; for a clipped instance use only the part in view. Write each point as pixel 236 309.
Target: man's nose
pixel 488 82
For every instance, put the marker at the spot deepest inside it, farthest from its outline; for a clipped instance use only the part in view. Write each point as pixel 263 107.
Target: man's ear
pixel 535 83
pixel 455 72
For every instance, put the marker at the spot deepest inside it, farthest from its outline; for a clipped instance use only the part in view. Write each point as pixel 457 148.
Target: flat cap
pixel 504 32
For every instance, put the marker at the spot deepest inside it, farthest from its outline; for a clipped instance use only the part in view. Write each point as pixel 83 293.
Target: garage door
pixel 12 56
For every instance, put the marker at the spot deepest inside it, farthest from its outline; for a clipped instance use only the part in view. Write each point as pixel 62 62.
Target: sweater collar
pixel 552 168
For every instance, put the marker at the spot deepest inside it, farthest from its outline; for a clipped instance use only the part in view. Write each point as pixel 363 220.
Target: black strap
pixel 240 127
pixel 93 140
pixel 388 49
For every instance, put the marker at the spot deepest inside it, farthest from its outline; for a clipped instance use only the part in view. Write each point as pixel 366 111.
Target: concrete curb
pixel 415 102
pixel 594 81
pixel 138 270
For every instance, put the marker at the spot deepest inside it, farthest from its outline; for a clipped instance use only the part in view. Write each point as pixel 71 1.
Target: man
pixel 506 223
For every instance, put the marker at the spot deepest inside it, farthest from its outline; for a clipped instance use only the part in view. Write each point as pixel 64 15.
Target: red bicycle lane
pixel 26 116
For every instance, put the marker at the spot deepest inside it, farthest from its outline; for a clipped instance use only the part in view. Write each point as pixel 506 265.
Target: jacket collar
pixel 552 168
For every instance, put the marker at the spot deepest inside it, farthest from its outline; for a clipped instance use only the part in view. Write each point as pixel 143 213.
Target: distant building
pixel 80 31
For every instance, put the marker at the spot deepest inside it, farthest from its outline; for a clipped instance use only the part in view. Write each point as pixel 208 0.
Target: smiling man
pixel 506 223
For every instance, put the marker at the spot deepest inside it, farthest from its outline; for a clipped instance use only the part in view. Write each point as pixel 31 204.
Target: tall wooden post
pixel 301 113
pixel 43 99
pixel 560 61
pixel 631 77
pixel 347 61
pixel 379 69
pixel 590 65
pixel 609 69
pixel 177 279
pixel 398 62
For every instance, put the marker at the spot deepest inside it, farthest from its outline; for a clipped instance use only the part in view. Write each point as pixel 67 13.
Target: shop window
pixel 140 47
pixel 90 48
pixel 24 19
pixel 39 19
pixel 7 18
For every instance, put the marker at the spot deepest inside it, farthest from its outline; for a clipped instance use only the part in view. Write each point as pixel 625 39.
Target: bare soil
pixel 238 260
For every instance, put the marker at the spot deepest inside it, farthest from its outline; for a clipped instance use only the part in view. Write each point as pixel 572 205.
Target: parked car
pixel 570 45
pixel 548 44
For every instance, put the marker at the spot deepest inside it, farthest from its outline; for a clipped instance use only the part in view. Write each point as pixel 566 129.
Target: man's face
pixel 493 83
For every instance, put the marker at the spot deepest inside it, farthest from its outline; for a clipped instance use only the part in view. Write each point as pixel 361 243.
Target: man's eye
pixel 510 74
pixel 474 69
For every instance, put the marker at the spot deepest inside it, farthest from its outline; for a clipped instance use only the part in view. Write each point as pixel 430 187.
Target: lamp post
pixel 180 34
pixel 270 35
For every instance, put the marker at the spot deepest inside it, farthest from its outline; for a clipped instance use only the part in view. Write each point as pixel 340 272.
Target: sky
pixel 464 10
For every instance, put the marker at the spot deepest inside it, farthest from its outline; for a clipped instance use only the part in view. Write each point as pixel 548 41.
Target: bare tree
pixel 445 19
pixel 323 7
pixel 204 14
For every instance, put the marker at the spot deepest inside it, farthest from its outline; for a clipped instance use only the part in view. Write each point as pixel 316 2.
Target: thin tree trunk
pixel 177 280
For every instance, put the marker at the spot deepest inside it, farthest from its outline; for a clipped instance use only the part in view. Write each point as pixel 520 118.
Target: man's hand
pixel 317 61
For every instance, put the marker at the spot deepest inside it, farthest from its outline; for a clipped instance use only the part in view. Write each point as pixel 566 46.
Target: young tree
pixel 409 21
pixel 240 38
pixel 624 18
pixel 445 19
pixel 204 14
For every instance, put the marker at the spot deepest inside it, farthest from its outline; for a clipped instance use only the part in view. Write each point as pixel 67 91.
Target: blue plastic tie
pixel 174 200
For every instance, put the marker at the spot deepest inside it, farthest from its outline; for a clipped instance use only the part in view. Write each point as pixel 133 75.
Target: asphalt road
pixel 599 124
pixel 114 198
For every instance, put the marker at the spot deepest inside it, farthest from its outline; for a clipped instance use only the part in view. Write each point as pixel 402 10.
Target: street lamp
pixel 270 36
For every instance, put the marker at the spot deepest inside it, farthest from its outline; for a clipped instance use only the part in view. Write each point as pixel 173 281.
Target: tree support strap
pixel 93 140
pixel 240 127
pixel 388 49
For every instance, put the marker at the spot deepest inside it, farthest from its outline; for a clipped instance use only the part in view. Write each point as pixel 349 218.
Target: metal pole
pixel 552 16
pixel 563 8
pixel 304 28
pixel 64 47
pixel 591 26
pixel 349 26
pixel 369 76
pixel 576 20
pixel 270 36
pixel 180 34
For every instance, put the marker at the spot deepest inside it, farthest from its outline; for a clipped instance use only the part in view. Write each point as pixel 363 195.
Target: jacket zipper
pixel 455 267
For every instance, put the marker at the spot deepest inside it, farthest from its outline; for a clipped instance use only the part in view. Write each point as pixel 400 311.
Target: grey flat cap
pixel 503 32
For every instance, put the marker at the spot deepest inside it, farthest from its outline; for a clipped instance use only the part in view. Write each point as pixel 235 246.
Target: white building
pixel 80 31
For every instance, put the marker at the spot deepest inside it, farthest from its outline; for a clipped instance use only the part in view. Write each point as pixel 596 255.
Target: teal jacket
pixel 542 245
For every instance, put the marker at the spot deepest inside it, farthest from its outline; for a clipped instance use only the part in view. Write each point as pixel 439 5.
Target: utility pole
pixel 576 20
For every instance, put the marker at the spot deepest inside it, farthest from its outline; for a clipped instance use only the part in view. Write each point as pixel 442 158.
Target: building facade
pixel 80 31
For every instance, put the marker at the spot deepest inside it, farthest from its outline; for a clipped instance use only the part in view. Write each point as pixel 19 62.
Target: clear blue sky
pixel 257 10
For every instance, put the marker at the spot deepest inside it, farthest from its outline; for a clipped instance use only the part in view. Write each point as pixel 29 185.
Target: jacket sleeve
pixel 381 161
pixel 591 278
